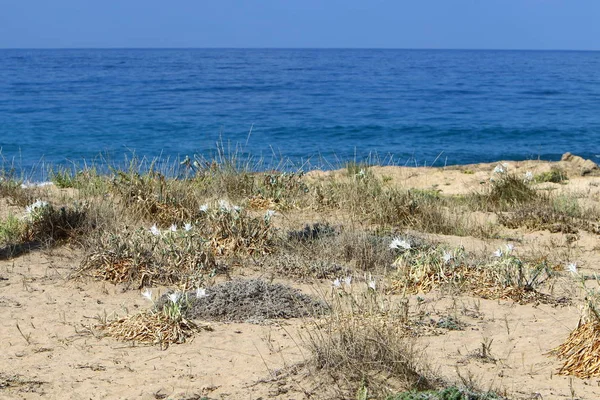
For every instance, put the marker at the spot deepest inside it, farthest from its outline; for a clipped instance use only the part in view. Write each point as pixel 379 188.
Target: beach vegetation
pixel 554 175
pixel 364 344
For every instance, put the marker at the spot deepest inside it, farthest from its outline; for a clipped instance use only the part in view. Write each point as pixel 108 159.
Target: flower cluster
pixel 338 282
pixel 34 211
pixel 500 253
pixel 400 244
pixel 172 229
pixel 501 168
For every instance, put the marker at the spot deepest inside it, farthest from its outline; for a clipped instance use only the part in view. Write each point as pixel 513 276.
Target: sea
pixel 305 108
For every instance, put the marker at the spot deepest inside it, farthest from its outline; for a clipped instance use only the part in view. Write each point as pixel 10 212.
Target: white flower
pixel 154 230
pixel 500 169
pixel 348 281
pixel 204 208
pixel 147 293
pixel 174 297
pixel 572 268
pixel 39 204
pixel 268 215
pixel 399 243
pixel 528 176
pixel 337 283
pixel 498 253
pixel 200 292
pixel 447 257
pixel 236 208
pixel 187 227
pixel 173 228
pixel 510 247
pixel 372 284
pixel 224 205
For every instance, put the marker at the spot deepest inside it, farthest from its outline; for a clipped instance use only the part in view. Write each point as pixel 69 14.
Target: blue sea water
pixel 318 107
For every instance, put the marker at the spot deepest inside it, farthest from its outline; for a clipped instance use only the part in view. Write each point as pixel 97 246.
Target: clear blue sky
pixel 466 24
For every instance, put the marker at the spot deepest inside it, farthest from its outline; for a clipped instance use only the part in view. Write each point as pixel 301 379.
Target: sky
pixel 431 24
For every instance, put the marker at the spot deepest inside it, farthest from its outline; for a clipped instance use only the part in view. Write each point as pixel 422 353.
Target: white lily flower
pixel 200 292
pixel 147 293
pixel 500 169
pixel 270 213
pixel 372 285
pixel 224 205
pixel 39 204
pixel 510 247
pixel 174 297
pixel 572 268
pixel 204 208
pixel 399 243
pixel 528 176
pixel 187 227
pixel 498 253
pixel 337 283
pixel 348 281
pixel 173 228
pixel 154 230
pixel 447 257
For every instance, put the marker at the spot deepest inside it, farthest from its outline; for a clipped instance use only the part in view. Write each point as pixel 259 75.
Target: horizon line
pixel 298 48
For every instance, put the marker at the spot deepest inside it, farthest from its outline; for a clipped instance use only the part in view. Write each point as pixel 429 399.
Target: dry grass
pixel 365 344
pixel 139 258
pixel 506 192
pixel 503 276
pixel 581 350
pixel 367 198
pixel 155 328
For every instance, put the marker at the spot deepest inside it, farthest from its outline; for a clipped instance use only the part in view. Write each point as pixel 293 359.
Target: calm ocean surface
pixel 318 106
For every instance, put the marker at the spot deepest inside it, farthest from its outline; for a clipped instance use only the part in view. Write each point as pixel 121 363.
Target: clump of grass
pixel 143 258
pixel 62 177
pixel 354 168
pixel 322 251
pixel 11 230
pixel 506 276
pixel 367 198
pixel 48 224
pixel 153 197
pixel 506 192
pixel 558 214
pixel 232 230
pixel 581 350
pixel 426 267
pixel 12 189
pixel 282 188
pixel 160 326
pixel 510 277
pixel 365 251
pixel 449 393
pixel 364 346
pixel 555 175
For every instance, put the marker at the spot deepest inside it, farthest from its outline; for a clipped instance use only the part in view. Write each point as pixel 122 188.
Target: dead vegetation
pixel 366 345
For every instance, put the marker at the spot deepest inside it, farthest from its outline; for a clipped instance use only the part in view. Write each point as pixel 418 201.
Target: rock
pixel 584 167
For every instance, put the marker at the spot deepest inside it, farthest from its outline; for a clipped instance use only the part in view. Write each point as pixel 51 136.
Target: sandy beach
pixel 55 343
